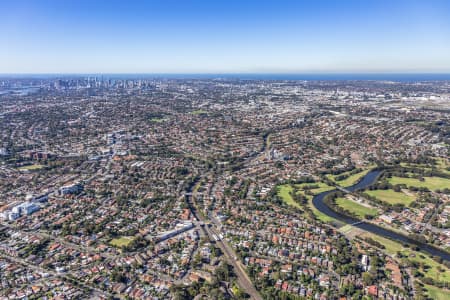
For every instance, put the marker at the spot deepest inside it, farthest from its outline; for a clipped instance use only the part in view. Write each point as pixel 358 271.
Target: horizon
pixel 394 77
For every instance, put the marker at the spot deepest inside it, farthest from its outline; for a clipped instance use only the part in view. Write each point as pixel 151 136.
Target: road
pixel 27 264
pixel 90 250
pixel 62 241
pixel 242 278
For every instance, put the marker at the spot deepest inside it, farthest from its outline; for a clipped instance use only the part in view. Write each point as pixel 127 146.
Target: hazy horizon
pixel 389 77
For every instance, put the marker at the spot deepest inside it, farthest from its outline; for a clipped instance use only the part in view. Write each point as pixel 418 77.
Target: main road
pixel 243 279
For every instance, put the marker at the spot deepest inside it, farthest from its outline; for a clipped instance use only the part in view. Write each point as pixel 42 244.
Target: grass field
pixel 437 293
pixel 352 179
pixel 432 183
pixel 122 241
pixel 321 187
pixel 393 248
pixel 441 165
pixel 346 228
pixel 199 112
pixel 391 197
pixel 31 167
pixel 283 191
pixel 158 120
pixel 359 210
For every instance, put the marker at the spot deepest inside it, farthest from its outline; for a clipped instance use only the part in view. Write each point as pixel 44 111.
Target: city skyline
pixel 225 37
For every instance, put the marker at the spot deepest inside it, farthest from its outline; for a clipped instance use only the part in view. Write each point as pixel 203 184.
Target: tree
pixel 367 278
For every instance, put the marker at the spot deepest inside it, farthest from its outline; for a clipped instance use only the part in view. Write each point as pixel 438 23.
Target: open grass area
pixel 351 180
pixel 31 167
pixel 392 247
pixel 323 188
pixel 199 112
pixel 122 241
pixel 432 183
pixel 437 293
pixel 413 165
pixel 359 210
pixel 315 188
pixel 392 197
pixel 440 163
pixel 283 191
pixel 319 187
pixel 158 120
pixel 433 268
pixel 346 228
pixel 443 164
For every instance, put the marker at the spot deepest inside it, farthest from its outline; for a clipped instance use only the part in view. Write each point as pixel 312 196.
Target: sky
pixel 229 36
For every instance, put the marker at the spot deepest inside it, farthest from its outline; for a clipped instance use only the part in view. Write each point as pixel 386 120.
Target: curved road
pixel 368 179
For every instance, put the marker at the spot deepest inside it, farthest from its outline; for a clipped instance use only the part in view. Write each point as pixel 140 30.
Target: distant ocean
pixel 398 77
pixel 318 77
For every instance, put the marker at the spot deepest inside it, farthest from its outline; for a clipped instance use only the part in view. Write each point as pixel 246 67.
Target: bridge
pixel 342 189
pixel 357 223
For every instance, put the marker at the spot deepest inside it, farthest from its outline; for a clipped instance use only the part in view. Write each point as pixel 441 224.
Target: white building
pixel 26 208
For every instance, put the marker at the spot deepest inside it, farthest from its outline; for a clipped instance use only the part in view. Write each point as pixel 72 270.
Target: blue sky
pixel 230 36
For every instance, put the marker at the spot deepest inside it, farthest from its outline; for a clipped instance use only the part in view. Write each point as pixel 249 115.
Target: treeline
pixel 347 175
pixel 373 242
pixel 409 172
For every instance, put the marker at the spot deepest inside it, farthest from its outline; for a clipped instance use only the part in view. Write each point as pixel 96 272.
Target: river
pixel 368 179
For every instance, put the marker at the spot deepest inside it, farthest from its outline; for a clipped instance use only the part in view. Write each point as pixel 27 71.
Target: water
pixel 397 77
pixel 370 178
pixel 20 91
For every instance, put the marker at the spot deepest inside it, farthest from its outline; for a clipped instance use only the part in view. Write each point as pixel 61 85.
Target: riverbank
pixel 370 178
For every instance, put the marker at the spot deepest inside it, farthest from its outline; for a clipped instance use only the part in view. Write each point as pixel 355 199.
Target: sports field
pixel 432 183
pixel 359 210
pixel 31 167
pixel 122 241
pixel 199 112
pixel 284 192
pixel 392 197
